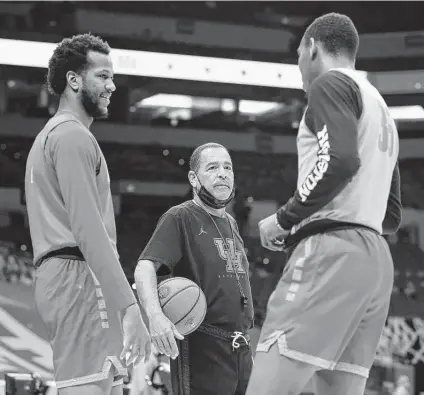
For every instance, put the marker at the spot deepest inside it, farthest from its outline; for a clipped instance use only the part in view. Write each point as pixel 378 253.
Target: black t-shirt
pixel 188 243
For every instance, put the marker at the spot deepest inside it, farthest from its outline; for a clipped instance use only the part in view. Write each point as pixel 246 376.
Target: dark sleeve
pixel 393 217
pixel 334 108
pixel 165 246
pixel 75 156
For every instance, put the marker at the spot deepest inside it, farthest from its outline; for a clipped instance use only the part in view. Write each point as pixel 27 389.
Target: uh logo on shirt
pixel 228 252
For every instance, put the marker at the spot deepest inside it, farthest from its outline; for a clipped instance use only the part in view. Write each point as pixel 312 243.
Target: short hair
pixel 71 54
pixel 196 156
pixel 336 32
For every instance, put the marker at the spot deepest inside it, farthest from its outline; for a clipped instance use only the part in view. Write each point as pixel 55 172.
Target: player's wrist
pixel 279 223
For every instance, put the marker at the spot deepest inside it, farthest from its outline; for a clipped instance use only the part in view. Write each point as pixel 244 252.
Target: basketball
pixel 183 303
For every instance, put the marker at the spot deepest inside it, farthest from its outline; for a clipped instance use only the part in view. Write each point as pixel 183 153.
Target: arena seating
pixel 262 176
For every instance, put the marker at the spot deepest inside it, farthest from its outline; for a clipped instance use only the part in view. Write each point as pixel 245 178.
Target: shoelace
pixel 236 336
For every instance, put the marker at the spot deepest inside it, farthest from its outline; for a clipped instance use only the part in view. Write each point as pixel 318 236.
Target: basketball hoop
pixel 401 341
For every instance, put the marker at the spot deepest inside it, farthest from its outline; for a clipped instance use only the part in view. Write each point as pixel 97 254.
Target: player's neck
pixel 75 107
pixel 217 212
pixel 338 63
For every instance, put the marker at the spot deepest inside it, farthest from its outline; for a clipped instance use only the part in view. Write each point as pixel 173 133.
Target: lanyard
pixel 243 297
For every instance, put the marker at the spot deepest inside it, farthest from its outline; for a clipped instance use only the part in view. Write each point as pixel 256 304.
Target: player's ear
pixel 74 80
pixel 313 49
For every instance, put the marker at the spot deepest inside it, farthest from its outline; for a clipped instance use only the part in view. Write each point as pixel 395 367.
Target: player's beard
pixel 91 104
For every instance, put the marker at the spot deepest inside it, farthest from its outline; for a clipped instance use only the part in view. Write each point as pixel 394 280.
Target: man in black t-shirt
pixel 198 240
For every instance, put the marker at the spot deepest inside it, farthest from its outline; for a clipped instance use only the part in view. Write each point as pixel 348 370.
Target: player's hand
pixel 136 337
pixel 163 333
pixel 271 234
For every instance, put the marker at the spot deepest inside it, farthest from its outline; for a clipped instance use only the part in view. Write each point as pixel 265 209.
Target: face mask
pixel 207 198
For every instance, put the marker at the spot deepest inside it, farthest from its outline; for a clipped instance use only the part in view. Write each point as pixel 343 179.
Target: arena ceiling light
pixel 407 113
pixel 165 65
pixel 166 100
pixel 252 107
pixel 171 101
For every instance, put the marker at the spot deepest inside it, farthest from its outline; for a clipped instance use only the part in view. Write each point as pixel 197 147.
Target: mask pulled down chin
pixel 207 198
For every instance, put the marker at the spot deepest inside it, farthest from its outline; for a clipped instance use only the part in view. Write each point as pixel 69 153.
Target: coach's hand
pixel 163 333
pixel 136 337
pixel 271 234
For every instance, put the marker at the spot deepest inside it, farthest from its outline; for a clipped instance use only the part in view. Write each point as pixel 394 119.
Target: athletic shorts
pixel 331 303
pixel 86 337
pixel 208 365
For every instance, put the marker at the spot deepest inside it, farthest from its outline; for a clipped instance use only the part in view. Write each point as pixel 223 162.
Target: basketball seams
pixel 174 278
pixel 204 314
pixel 176 293
pixel 194 305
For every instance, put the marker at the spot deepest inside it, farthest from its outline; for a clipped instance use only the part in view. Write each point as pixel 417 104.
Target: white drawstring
pixel 236 336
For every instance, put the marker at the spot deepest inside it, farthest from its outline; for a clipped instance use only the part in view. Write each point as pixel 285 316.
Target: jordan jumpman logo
pixel 202 231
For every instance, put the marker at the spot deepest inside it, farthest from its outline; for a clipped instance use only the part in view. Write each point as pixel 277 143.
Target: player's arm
pixel 334 108
pixel 75 158
pixel 393 217
pixel 160 255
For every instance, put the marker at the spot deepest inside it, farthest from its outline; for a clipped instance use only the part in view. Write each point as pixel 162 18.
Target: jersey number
pixel 387 134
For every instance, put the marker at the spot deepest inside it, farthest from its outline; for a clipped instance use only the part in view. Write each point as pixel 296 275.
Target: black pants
pixel 208 365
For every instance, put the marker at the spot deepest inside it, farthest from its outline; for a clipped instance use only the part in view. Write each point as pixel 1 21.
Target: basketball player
pixel 328 309
pixel 198 240
pixel 81 291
